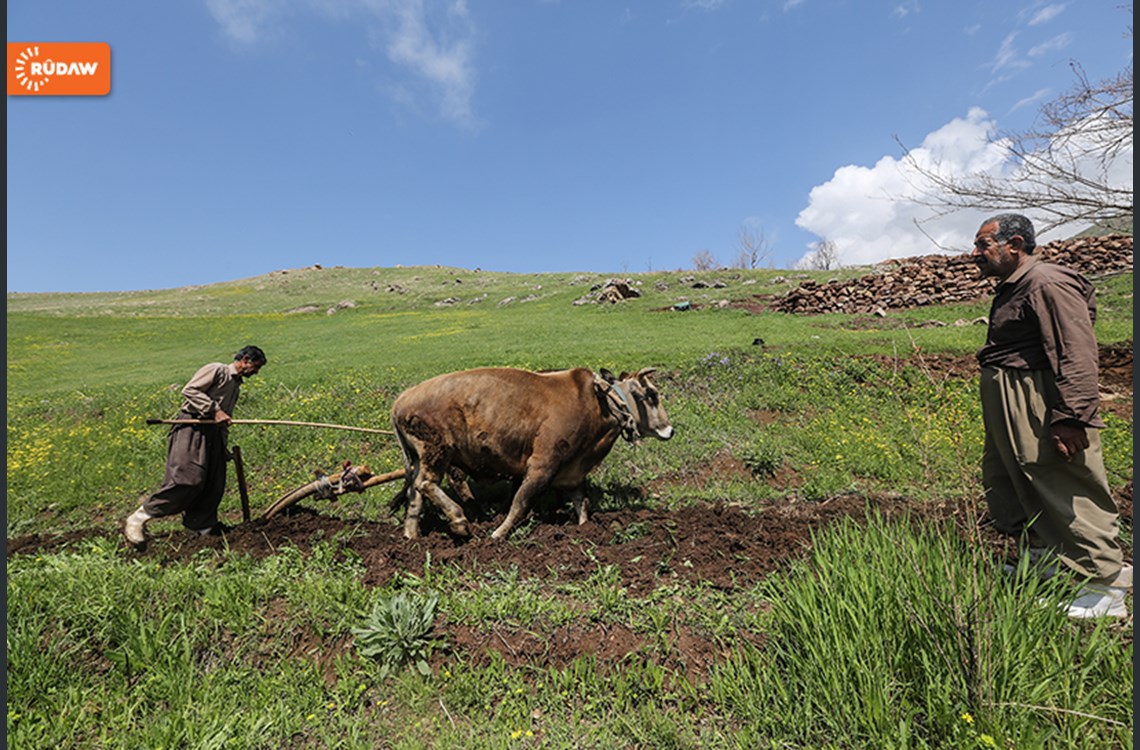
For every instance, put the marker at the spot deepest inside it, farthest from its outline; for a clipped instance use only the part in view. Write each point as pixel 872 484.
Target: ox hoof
pixel 460 528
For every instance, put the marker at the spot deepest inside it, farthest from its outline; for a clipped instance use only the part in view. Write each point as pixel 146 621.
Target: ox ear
pixel 607 375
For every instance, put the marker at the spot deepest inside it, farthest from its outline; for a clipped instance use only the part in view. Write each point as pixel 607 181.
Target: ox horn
pixel 323 487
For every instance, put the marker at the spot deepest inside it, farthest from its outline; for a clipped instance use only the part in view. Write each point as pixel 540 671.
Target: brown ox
pixel 543 430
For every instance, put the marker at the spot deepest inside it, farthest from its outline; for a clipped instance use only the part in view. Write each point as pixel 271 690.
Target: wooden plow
pixel 329 486
pixel 326 486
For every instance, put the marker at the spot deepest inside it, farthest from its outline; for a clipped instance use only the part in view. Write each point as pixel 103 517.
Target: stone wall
pixel 939 279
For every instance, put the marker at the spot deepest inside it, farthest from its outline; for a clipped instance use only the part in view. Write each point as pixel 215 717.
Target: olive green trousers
pixel 1064 506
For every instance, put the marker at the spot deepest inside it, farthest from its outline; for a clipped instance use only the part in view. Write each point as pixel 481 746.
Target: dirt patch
pixel 682 649
pixel 1114 362
pixel 756 304
pixel 1116 384
pixel 717 545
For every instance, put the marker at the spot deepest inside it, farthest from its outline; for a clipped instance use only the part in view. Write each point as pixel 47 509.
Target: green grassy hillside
pixel 86 370
pixel 109 649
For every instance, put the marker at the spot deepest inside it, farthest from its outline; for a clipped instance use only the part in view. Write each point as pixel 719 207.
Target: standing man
pixel 196 454
pixel 1042 466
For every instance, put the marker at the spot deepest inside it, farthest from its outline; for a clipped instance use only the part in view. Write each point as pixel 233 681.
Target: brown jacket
pixel 1042 319
pixel 215 386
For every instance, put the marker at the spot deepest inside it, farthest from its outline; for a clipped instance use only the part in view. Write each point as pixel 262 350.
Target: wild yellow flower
pixel 967 718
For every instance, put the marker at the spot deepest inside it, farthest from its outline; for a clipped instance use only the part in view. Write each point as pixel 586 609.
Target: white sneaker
pixel 1124 577
pixel 1098 600
pixel 135 528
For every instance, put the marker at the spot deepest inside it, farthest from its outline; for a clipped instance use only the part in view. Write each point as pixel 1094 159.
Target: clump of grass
pixel 899 630
pixel 762 455
pixel 635 530
pixel 398 632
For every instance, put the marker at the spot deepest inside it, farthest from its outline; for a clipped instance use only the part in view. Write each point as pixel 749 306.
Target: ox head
pixel 637 404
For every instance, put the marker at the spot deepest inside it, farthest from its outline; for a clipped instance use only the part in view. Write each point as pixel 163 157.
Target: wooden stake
pixel 239 467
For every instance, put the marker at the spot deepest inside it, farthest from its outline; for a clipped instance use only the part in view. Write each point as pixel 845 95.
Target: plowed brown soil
pixel 716 545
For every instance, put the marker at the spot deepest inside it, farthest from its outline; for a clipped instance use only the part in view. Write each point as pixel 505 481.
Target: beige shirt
pixel 1042 319
pixel 215 386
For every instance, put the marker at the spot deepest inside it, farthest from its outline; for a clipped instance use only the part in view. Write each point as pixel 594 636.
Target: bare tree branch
pixel 753 248
pixel 1061 170
pixel 705 261
pixel 824 257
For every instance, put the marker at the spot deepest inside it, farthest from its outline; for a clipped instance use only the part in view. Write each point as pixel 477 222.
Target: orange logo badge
pixel 59 68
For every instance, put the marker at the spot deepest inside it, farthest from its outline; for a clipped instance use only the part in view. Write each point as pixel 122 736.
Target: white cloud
pixel 1038 96
pixel 1046 14
pixel 1007 55
pixel 430 41
pixel 870 212
pixel 1059 42
pixel 1085 145
pixel 865 211
pixel 244 21
pixel 702 4
pixel 440 52
pixel 904 9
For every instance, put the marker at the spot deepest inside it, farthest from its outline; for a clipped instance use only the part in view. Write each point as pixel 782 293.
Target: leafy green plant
pixel 398 631
pixel 763 456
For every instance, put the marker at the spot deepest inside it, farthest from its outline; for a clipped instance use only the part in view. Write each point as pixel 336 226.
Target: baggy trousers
pixel 1065 506
pixel 195 477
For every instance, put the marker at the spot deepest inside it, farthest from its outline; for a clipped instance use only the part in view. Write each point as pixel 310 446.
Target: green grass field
pixel 107 648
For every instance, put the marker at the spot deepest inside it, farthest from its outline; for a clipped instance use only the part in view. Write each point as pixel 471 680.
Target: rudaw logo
pixel 59 68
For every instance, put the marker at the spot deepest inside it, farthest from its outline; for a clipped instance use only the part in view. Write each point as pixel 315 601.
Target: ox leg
pixel 414 498
pixel 428 484
pixel 581 502
pixel 457 481
pixel 520 504
pixel 414 512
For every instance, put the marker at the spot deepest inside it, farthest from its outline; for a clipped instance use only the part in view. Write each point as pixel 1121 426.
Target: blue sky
pixel 246 136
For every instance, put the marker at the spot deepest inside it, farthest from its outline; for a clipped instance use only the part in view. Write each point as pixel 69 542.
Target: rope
pixel 624 412
pixel 273 422
pixel 325 489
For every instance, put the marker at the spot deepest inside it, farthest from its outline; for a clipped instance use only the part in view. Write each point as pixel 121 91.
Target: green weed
pixel 398 632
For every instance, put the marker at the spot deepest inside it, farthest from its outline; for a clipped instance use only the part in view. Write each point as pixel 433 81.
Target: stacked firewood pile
pixel 939 279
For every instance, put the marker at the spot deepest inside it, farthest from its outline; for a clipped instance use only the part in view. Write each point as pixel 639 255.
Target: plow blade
pixel 355 479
